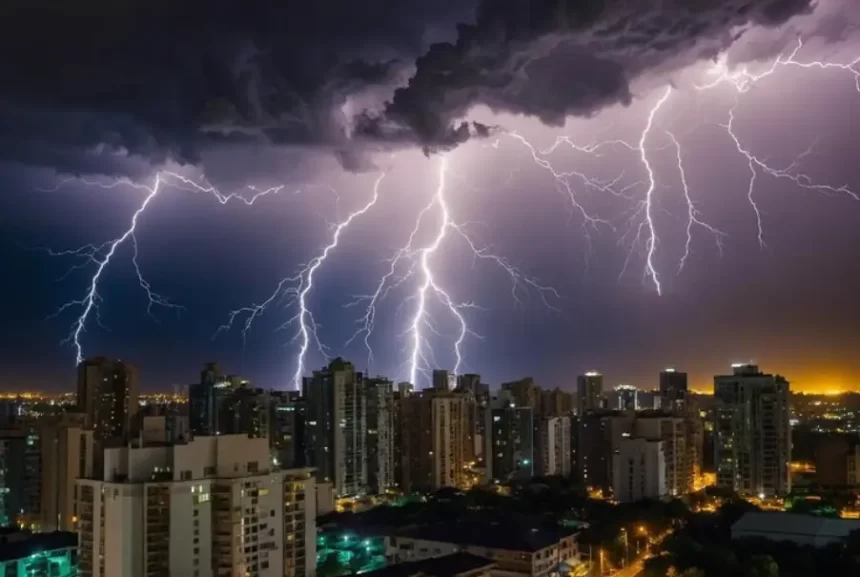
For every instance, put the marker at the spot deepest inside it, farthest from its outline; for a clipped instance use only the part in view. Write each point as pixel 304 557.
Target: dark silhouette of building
pixel 108 394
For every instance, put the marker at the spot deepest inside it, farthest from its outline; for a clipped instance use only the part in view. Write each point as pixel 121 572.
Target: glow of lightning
pixel 102 255
pixel 304 281
pixel 742 80
pixel 693 216
pixel 651 241
pixel 420 262
pixel 89 302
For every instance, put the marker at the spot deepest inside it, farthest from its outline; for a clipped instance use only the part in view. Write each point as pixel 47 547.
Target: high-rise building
pixel 555 403
pixel 524 393
pixel 379 400
pixel 673 390
pixel 67 454
pixel 510 450
pixel 752 440
pixel 443 380
pixel 108 394
pixel 552 454
pixel 672 431
pixel 599 434
pixel 470 382
pixel 336 427
pixel 626 398
pixel 227 405
pixel 638 470
pixel 287 428
pixel 212 507
pixel 589 392
pixel 432 435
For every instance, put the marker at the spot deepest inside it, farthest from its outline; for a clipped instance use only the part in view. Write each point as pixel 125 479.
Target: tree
pixel 657 566
pixel 761 566
pixel 692 572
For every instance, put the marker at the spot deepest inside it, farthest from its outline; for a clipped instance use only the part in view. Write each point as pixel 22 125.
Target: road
pixel 638 564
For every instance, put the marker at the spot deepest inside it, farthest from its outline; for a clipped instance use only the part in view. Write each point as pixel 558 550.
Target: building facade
pixel 553 448
pixel 336 427
pixel 379 399
pixel 108 394
pixel 638 470
pixel 212 507
pixel 589 392
pixel 752 434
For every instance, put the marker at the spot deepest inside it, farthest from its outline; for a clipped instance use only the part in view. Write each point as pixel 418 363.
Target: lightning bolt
pixel 297 288
pixel 102 255
pixel 421 261
pixel 742 80
pixel 693 216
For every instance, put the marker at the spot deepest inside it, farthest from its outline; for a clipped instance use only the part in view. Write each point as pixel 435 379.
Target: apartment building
pixel 211 507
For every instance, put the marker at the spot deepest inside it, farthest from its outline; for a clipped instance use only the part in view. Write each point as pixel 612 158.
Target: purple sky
pixel 789 304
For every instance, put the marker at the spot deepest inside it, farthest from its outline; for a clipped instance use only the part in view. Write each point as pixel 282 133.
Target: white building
pixel 554 446
pixel 212 507
pixel 639 470
pixel 518 550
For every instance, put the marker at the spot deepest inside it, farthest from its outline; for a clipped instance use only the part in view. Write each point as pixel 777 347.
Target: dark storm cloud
pixel 105 86
pixel 551 59
pixel 85 86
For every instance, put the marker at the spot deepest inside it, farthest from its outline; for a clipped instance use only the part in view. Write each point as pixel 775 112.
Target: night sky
pixel 325 100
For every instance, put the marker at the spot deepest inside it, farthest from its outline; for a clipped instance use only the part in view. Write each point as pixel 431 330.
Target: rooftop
pixel 776 523
pixel 510 536
pixel 445 566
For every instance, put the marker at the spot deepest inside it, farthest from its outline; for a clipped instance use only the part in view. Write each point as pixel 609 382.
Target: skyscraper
pixel 379 399
pixel 443 380
pixel 336 427
pixel 627 398
pixel 673 390
pixel 227 405
pixel 752 440
pixel 510 450
pixel 108 394
pixel 432 435
pixel 589 392
pixel 552 451
pixel 287 414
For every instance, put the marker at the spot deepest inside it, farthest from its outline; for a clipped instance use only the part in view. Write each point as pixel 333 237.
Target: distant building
pixel 589 392
pixel 626 398
pixel 432 434
pixel 108 393
pixel 809 530
pixel 752 441
pixel 599 434
pixel 638 470
pixel 553 447
pixel 379 400
pixel 672 431
pixel 837 461
pixel 510 449
pixel 206 401
pixel 443 380
pixel 287 413
pixel 210 507
pixel 336 427
pixel 673 390
pixel 524 393
pixel 555 403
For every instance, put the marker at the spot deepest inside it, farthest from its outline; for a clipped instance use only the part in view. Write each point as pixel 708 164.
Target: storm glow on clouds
pixel 622 186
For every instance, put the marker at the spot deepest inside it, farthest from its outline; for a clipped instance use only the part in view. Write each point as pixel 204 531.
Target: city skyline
pixel 665 250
